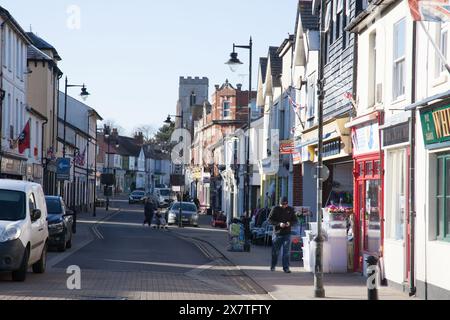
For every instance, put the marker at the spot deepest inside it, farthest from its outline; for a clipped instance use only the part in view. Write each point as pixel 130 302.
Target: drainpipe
pixel 2 28
pixel 412 191
pixel 42 143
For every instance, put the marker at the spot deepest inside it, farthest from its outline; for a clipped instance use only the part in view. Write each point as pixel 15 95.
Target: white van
pixel 23 228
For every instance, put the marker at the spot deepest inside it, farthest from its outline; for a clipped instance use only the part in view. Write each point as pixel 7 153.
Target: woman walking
pixel 149 211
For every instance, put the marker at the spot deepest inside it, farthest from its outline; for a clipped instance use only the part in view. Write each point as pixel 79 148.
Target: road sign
pixel 63 169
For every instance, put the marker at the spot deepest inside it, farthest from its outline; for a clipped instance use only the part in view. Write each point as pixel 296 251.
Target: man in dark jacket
pixel 282 217
pixel 149 211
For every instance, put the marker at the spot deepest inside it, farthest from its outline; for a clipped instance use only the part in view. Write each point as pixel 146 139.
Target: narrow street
pixel 120 259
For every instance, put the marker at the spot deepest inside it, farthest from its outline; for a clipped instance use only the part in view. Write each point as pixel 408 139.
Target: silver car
pixel 189 214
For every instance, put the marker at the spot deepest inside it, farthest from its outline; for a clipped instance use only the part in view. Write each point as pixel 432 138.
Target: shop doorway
pixel 368 209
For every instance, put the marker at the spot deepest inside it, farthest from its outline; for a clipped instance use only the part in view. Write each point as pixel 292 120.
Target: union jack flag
pixel 430 10
pixel 80 158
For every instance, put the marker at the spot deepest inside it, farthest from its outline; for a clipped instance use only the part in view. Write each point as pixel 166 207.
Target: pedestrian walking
pixel 149 211
pixel 283 218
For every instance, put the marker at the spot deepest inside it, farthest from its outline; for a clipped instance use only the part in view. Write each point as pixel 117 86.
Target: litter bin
pixel 236 236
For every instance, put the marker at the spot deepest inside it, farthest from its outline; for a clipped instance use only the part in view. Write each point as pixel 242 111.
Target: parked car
pixel 23 228
pixel 137 196
pixel 60 223
pixel 189 214
pixel 164 196
pixel 219 219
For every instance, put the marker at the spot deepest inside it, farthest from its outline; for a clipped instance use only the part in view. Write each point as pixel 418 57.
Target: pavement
pixel 120 259
pixel 299 285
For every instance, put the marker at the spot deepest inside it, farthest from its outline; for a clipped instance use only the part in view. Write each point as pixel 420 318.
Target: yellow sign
pixel 442 123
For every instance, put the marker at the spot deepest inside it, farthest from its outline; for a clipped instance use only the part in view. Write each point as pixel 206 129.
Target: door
pixel 36 230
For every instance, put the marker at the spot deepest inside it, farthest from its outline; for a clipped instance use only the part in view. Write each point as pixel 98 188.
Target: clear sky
pixel 131 53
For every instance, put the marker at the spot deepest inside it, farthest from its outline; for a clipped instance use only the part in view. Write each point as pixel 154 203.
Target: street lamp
pixel 319 291
pixel 234 64
pixel 108 135
pixel 84 95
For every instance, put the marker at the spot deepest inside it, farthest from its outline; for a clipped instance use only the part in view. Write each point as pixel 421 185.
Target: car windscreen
pixel 164 193
pixel 12 205
pixel 54 206
pixel 138 194
pixel 184 207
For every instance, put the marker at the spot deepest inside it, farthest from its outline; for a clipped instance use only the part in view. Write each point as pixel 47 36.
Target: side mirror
pixel 69 213
pixel 36 214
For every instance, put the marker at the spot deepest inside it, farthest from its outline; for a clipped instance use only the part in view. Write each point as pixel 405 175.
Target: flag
pixel 80 158
pixel 24 139
pixel 430 10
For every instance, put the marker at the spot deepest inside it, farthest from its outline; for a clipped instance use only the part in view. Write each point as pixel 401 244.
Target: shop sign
pixel 297 158
pixel 287 147
pixel 206 178
pixel 396 135
pixel 436 125
pixel 13 166
pixel 308 154
pixel 366 139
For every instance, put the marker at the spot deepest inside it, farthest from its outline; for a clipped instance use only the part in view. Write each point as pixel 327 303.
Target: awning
pixel 427 101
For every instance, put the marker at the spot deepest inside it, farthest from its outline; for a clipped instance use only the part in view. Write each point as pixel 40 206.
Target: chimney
pixel 239 86
pixel 217 87
pixel 139 138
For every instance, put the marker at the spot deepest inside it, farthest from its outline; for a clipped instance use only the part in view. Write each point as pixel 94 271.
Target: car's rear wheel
pixel 69 243
pixel 62 247
pixel 40 266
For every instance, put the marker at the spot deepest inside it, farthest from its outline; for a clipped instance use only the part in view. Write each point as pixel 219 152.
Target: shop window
pixel 361 169
pixel 396 195
pixel 369 168
pixel 443 197
pixel 377 170
pixel 372 234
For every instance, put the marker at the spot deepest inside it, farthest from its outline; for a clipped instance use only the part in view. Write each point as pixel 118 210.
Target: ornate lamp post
pixel 234 63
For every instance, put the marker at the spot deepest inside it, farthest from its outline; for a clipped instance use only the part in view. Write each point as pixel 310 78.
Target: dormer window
pixel 226 109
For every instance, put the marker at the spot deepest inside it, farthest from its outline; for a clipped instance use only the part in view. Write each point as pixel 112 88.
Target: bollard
pixel 372 278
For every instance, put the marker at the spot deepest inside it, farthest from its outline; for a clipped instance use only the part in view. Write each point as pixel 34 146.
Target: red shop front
pixel 368 192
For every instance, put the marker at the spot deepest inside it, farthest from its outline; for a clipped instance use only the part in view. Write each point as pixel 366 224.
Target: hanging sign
pixel 287 147
pixel 366 139
pixel 436 125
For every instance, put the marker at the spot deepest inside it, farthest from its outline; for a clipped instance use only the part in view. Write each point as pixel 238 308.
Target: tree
pixel 164 134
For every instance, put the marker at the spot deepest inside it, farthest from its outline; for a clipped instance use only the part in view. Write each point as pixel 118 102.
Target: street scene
pixel 168 157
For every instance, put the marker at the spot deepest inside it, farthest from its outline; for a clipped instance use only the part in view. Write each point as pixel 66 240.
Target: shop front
pixel 431 199
pixel 337 195
pixel 12 168
pixel 368 189
pixel 396 148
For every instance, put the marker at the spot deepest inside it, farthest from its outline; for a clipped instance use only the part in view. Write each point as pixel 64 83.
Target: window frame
pixel 446 195
pixel 226 102
pixel 441 29
pixel 396 61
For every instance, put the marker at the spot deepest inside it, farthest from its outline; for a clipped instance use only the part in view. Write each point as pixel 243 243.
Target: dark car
pixel 60 223
pixel 137 196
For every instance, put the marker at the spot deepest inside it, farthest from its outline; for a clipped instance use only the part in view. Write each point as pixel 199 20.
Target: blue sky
pixel 131 53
